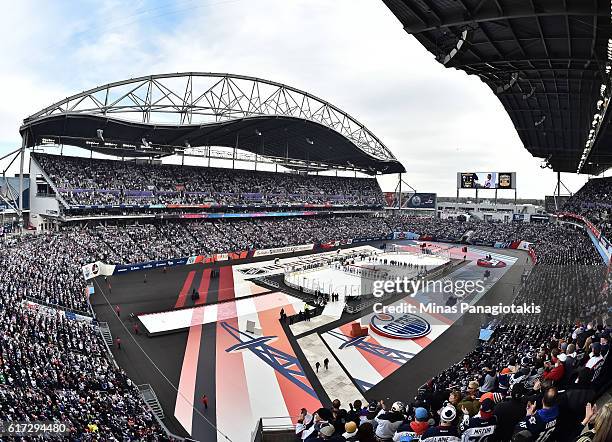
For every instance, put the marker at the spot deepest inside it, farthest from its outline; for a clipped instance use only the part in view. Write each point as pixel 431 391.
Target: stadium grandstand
pixel 143 298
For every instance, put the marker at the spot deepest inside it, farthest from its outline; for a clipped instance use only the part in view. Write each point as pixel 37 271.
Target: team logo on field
pixel 406 326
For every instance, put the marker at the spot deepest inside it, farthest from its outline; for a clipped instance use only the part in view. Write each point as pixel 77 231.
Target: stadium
pixel 202 256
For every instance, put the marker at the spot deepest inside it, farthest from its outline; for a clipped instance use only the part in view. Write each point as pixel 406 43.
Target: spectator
pixel 481 425
pixel 82 181
pixel 327 432
pixel 509 413
pixel 370 417
pixel 597 424
pixel 388 421
pixel 304 422
pixel 365 433
pixel 354 414
pixel 595 356
pixel 445 431
pixel 413 428
pixel 470 401
pixel 488 380
pixel 339 416
pixel 321 418
pixel 573 401
pixel 555 370
pixel 350 432
pixel 541 423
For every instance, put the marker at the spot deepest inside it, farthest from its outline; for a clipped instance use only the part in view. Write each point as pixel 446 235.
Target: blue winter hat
pixel 421 414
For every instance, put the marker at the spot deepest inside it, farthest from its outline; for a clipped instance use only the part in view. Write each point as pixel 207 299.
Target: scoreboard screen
pixel 486 180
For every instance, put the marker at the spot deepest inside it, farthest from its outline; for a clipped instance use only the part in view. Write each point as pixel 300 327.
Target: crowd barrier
pixel 54 310
pixel 283 250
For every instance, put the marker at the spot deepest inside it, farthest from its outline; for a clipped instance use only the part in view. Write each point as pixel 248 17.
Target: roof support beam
pixel 522 13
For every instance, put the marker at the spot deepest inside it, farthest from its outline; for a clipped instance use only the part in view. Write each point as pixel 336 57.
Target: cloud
pixel 353 53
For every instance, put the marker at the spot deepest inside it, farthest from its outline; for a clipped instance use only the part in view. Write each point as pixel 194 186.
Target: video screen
pixel 486 180
pixel 479 180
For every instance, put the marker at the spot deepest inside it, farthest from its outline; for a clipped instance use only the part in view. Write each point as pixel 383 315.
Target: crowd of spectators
pixel 538 376
pixel 534 380
pixel 53 368
pixel 574 248
pixel 47 267
pixel 534 409
pixel 519 366
pixel 84 181
pixel 594 201
pixel 146 242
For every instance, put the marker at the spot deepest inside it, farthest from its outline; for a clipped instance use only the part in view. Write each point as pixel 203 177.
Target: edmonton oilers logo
pixel 406 326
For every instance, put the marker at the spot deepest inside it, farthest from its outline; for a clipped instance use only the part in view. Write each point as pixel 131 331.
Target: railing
pixel 149 396
pixel 278 428
pixel 104 330
pixel 141 388
pixel 146 390
pixel 269 282
pixel 57 307
pixel 365 301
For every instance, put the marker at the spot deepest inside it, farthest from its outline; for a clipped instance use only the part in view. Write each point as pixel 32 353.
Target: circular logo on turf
pixel 406 326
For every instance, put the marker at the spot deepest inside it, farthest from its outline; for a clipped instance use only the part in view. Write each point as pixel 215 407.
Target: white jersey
pixel 478 434
pixel 477 429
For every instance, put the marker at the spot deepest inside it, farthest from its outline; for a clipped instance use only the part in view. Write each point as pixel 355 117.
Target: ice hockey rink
pixel 350 280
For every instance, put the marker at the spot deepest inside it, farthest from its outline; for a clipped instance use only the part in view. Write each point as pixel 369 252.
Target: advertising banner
pixel 524 245
pixel 97 268
pixel 283 250
pixel 149 265
pixel 90 270
pixel 53 312
pixel 410 200
pixel 239 255
pixel 372 238
pixel 420 201
pixel 405 235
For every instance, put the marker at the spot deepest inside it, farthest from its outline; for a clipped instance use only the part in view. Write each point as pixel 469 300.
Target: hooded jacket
pixel 387 423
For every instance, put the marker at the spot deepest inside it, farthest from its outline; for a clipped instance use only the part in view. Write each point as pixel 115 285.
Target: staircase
pixel 150 398
pixel 106 334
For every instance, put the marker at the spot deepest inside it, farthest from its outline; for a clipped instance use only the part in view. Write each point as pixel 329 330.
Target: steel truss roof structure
pixel 548 61
pixel 165 114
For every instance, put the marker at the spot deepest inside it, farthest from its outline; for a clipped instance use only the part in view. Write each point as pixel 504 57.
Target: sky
pixel 352 53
